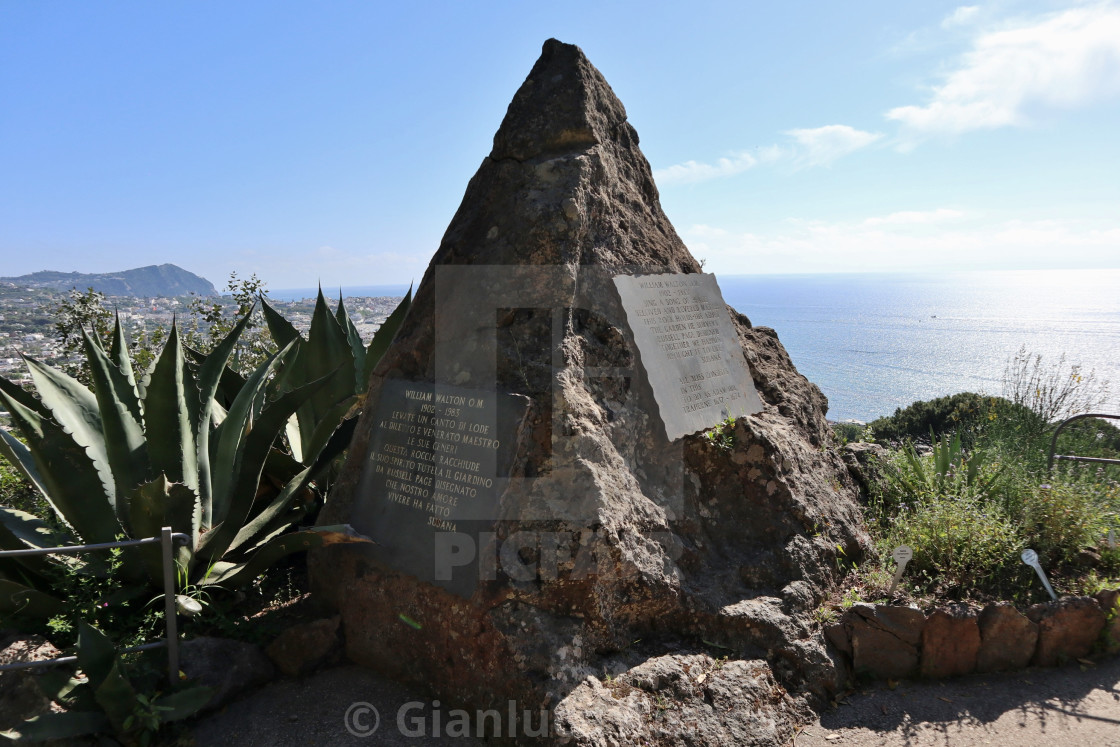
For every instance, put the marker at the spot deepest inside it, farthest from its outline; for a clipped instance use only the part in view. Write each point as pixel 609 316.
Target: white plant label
pixel 1112 539
pixel 902 555
pixel 1030 557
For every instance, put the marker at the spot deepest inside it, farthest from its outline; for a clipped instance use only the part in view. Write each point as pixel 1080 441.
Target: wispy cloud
pixel 962 16
pixel 694 171
pixel 820 146
pixel 914 217
pixel 1062 60
pixel 938 239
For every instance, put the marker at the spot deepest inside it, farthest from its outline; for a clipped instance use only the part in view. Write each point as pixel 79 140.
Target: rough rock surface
pixel 1110 605
pixel 950 642
pixel 884 640
pixel 680 700
pixel 1007 638
pixel 228 666
pixel 687 541
pixel 1066 630
pixel 20 696
pixel 303 648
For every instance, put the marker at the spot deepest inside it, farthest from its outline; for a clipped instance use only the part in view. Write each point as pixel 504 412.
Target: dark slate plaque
pixel 437 465
pixel 689 349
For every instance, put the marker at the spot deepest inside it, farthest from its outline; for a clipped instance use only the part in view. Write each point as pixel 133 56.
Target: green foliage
pixel 722 435
pixel 211 321
pixel 982 494
pixel 110 698
pixel 966 413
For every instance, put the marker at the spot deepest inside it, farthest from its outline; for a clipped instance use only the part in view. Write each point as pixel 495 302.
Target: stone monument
pixel 554 535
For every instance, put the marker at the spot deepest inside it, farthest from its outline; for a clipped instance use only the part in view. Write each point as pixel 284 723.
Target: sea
pixel 876 342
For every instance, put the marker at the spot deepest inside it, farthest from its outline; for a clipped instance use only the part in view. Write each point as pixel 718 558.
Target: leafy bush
pixel 966 413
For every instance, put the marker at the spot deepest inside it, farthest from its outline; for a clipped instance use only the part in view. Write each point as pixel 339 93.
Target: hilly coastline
pixel 165 280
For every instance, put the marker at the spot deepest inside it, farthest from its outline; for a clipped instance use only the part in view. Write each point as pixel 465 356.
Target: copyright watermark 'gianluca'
pixel 419 719
pixel 362 719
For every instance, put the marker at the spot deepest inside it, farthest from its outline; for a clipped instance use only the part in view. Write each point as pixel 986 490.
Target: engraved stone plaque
pixel 436 467
pixel 689 350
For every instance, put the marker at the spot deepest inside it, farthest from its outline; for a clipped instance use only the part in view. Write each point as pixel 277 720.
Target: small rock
pixel 1067 629
pixel 1007 638
pixel 303 648
pixel 950 642
pixel 227 666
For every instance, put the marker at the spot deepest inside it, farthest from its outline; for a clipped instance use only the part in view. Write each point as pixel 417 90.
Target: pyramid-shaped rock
pixel 611 568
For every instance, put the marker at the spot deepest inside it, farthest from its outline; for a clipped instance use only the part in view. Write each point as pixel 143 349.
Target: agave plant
pixel 129 456
pixel 332 349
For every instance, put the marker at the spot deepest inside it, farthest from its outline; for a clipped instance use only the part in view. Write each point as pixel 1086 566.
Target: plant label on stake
pixel 1030 557
pixel 1112 538
pixel 901 555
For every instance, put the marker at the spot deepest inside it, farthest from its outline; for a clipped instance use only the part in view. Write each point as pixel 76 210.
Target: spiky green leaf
pixel 280 328
pixel 235 574
pixel 239 500
pixel 64 474
pixel 159 504
pixel 74 407
pixel 23 601
pixel 171 409
pixel 355 340
pixel 20 530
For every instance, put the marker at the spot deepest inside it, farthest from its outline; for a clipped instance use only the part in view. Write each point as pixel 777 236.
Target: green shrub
pixel 966 413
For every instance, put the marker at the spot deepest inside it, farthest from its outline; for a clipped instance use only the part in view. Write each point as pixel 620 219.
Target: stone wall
pixel 887 642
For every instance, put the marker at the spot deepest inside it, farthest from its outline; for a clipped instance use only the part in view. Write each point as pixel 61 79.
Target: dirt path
pixel 1072 705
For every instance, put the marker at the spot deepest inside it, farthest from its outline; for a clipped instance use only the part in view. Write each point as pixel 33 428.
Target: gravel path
pixel 1073 705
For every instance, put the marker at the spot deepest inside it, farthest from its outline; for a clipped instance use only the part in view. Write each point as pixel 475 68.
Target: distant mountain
pixel 153 280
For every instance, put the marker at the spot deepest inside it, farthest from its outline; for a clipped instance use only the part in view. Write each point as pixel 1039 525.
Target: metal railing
pixel 1070 458
pixel 167 540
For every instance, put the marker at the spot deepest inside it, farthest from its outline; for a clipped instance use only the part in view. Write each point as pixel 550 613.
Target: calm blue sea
pixel 877 342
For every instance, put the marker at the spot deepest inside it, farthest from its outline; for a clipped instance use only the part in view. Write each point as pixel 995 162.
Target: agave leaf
pixel 62 725
pixel 280 328
pixel 326 352
pixel 257 443
pixel 210 375
pixel 185 703
pixel 328 424
pixel 171 408
pixel 122 423
pixel 24 397
pixel 228 447
pixel 64 473
pixel 159 504
pixel 270 520
pixel 273 518
pixel 75 408
pixel 20 530
pixel 355 340
pixel 236 574
pixel 116 696
pixel 96 653
pixel 118 351
pixel 230 382
pixel 381 339
pixel 21 600
pixel 295 442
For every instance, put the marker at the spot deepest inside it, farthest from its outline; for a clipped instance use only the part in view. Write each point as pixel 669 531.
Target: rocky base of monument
pixel 884 642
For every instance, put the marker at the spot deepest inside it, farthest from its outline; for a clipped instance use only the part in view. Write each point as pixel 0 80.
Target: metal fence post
pixel 167 544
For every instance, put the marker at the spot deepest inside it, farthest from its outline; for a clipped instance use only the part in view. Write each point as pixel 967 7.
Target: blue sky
pixel 332 141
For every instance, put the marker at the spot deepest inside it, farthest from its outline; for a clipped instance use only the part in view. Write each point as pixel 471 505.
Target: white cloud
pixel 962 16
pixel 1064 60
pixel 914 217
pixel 693 171
pixel 820 146
pixel 940 239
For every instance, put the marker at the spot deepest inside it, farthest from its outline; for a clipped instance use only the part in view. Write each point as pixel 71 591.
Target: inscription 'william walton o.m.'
pixel 437 463
pixel 689 350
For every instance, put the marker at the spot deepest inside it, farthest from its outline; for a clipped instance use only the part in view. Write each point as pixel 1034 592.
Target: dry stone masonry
pixel 596 558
